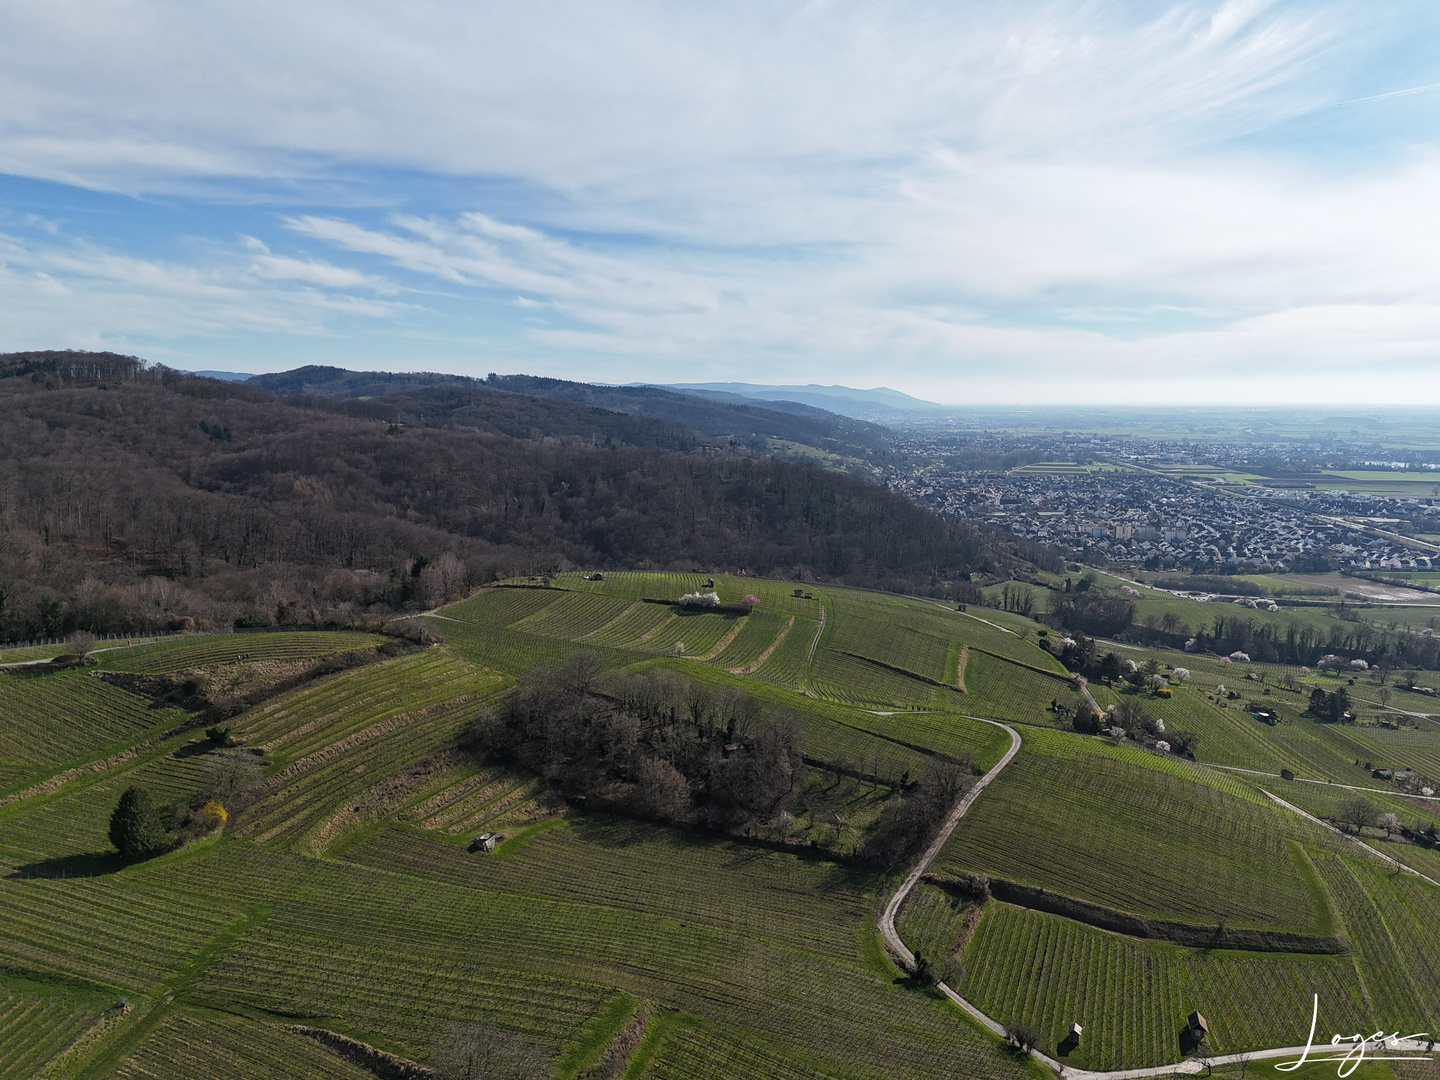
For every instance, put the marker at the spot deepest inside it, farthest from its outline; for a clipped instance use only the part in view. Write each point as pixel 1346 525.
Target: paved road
pixel 1324 1052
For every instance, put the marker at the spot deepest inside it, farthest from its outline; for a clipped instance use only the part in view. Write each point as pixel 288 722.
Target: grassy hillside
pixel 1177 842
pixel 341 896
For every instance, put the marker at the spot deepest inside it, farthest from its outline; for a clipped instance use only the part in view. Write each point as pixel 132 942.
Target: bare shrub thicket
pixel 657 745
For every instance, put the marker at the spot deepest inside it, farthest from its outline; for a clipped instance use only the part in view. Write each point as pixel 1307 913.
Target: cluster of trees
pixel 911 820
pixel 1091 611
pixel 671 749
pixel 1330 707
pixel 1301 644
pixel 119 513
pixel 1017 598
pixel 141 827
pixel 1129 719
pixel 1082 655
pixel 658 745
pixel 1359 813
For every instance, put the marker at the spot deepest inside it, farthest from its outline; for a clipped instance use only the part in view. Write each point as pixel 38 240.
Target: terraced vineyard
pixel 38 1024
pixel 899 646
pixel 48 718
pixel 934 923
pixel 787 658
pixel 1132 996
pixel 573 617
pixel 1178 843
pixel 191 1043
pixel 1009 691
pixel 713 931
pixel 342 894
pixel 472 799
pixel 515 652
pixel 857 681
pixel 177 654
pixel 105 933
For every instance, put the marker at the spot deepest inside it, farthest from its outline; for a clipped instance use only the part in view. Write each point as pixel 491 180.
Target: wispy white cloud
pixel 80 294
pixel 264 264
pixel 993 198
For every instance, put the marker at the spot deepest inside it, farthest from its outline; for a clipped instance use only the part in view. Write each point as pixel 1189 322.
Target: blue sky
pixel 987 202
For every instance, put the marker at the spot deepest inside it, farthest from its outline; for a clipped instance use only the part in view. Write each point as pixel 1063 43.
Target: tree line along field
pixel 1183 615
pixel 341 895
pixel 1299 742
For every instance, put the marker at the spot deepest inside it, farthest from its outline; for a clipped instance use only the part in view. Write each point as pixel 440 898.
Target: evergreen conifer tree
pixel 136 828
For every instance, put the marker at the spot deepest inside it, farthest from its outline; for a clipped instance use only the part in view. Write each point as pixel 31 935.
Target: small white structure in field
pixel 1075 1031
pixel 485 842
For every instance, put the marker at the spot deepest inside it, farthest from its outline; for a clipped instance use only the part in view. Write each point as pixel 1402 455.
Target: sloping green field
pixel 1174 841
pixel 342 895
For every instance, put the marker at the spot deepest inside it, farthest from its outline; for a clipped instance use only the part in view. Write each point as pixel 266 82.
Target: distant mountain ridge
pixel 223 376
pixel 878 404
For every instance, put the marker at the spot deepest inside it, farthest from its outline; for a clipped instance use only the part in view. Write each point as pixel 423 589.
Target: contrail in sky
pixel 1379 97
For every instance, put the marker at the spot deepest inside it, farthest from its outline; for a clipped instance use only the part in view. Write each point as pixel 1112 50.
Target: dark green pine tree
pixel 136 828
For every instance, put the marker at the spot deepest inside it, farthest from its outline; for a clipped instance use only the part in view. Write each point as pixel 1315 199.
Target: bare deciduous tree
pixel 582 670
pixel 229 772
pixel 1358 811
pixel 1023 1035
pixel 486 1052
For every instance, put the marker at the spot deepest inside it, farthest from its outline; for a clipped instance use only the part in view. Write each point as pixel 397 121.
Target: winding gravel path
pixel 887 917
pixel 1188 1067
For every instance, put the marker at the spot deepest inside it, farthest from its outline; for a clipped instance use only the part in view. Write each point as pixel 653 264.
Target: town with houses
pixel 1132 501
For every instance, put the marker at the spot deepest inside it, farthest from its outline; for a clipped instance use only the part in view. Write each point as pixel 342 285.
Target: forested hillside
pixel 134 497
pixel 451 400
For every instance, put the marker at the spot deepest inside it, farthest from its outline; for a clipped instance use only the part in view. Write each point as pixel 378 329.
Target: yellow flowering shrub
pixel 214 814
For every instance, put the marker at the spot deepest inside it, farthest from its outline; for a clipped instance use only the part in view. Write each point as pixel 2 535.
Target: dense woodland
pixel 527 406
pixel 133 497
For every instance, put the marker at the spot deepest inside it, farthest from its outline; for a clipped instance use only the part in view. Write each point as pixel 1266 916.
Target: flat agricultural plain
pixel 1128 887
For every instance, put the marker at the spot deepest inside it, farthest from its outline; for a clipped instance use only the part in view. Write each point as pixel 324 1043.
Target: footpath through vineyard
pixel 1188 1067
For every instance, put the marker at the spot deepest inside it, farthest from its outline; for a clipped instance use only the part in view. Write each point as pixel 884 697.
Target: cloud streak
pixel 998 199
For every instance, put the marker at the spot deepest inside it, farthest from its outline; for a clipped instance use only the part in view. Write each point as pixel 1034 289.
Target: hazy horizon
pixel 1206 202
